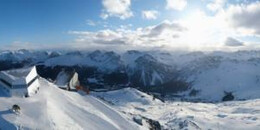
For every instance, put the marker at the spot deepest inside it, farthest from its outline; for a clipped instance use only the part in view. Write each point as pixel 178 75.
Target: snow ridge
pixel 53 108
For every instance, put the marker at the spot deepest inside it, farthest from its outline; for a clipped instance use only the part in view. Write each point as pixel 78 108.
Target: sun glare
pixel 202 30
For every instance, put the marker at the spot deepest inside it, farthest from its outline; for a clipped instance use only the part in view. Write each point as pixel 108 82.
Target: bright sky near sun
pixel 45 24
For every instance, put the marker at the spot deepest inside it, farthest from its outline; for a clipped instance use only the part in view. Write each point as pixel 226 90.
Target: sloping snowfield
pixel 53 108
pixel 235 115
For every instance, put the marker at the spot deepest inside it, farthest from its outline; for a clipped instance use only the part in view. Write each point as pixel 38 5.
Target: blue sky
pixel 109 22
pixel 50 20
pixel 44 21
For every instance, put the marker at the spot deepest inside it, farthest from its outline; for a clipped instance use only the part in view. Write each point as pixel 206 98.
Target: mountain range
pixel 204 76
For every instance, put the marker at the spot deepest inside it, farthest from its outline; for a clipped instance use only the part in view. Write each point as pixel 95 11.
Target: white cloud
pixel 244 18
pixel 91 23
pixel 204 30
pixel 16 45
pixel 116 8
pixel 196 30
pixel 233 42
pixel 150 14
pixel 125 27
pixel 104 15
pixel 98 23
pixel 166 28
pixel 216 5
pixel 157 35
pixel 241 20
pixel 176 4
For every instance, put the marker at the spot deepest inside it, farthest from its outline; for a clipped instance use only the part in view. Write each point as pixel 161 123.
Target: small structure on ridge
pixel 20 82
pixel 67 80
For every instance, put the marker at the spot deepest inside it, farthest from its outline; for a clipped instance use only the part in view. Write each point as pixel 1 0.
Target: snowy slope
pixel 53 108
pixel 242 78
pixel 238 115
pixel 126 96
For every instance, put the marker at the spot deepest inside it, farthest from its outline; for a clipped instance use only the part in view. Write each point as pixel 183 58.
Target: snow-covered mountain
pixel 104 61
pixel 128 108
pixel 185 115
pixel 192 75
pixel 242 78
pixel 169 76
pixel 26 55
pixel 148 71
pixel 22 58
pixel 54 108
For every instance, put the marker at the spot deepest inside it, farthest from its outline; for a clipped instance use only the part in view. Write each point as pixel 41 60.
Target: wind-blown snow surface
pixel 53 108
pixel 235 115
